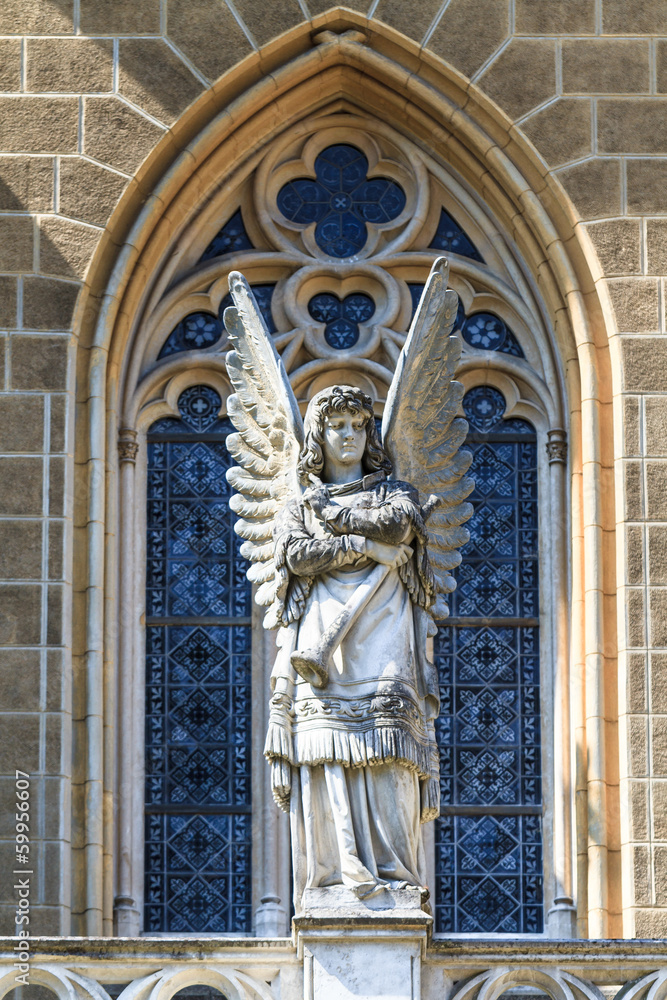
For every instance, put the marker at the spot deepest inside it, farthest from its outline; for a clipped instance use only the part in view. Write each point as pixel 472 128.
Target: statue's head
pixel 329 403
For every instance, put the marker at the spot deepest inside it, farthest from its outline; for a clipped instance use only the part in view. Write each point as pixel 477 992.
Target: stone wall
pixel 94 101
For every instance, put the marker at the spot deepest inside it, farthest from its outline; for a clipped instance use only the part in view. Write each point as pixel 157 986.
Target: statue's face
pixel 344 439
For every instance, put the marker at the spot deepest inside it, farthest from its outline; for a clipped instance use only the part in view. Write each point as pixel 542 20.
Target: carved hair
pixel 338 399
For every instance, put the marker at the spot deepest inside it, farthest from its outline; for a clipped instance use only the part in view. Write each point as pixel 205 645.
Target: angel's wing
pixel 269 434
pixel 421 432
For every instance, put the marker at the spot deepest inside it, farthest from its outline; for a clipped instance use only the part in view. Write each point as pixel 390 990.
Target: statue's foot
pixel 365 890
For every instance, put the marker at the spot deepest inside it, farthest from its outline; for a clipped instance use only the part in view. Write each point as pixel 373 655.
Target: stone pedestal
pixel 362 950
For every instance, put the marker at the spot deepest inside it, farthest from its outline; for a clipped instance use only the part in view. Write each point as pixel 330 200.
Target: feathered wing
pixel 268 438
pixel 421 432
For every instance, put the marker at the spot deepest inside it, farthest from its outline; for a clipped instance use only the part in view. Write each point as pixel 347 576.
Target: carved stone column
pixel 271 838
pixel 127 908
pixel 561 918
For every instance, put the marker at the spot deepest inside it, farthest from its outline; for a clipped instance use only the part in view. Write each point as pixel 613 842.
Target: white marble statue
pixel 351 543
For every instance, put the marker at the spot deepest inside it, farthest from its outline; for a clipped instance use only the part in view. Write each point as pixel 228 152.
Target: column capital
pixel 557 446
pixel 127 445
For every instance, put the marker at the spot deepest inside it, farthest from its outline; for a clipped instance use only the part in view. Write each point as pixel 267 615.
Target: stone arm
pixel 392 521
pixel 305 555
pixel 308 556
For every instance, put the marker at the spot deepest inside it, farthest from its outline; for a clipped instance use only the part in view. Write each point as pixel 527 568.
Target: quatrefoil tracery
pixel 341 200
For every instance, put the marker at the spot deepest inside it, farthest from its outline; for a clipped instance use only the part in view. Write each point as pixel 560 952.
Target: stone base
pixel 337 900
pixel 357 949
pixel 562 920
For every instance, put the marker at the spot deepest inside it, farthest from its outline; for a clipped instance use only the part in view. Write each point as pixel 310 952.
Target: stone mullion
pixel 271 863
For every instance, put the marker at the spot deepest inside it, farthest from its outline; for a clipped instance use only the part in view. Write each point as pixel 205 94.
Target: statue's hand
pixel 316 498
pixel 281 783
pixel 389 555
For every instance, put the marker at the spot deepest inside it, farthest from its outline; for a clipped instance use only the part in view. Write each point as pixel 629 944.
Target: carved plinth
pixel 362 949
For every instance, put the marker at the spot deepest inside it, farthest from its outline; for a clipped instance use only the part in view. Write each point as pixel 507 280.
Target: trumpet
pixel 314 664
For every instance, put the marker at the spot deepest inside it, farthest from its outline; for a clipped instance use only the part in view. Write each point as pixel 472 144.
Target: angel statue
pixel 351 541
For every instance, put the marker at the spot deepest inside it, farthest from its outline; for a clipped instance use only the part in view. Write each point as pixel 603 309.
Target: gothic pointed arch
pixel 254 186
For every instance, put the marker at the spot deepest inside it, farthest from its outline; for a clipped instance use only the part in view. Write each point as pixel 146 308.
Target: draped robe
pixel 358 757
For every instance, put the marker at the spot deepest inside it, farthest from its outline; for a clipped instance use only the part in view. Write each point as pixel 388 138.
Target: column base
pixel 562 919
pixel 270 918
pixel 127 918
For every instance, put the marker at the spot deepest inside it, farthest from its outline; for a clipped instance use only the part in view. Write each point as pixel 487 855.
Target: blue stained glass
pixel 484 408
pixel 342 318
pixel 499 573
pixel 198 715
pixel 341 200
pixel 488 728
pixel 489 867
pixel 200 330
pixel 450 236
pixel 490 333
pixel 194 565
pixel 196 873
pixel 199 407
pixel 198 690
pixel 232 238
pixel 489 874
pixel 196 332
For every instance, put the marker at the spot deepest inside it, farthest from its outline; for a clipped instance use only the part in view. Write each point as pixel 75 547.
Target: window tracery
pixel 347 298
pixel 337 286
pixel 341 200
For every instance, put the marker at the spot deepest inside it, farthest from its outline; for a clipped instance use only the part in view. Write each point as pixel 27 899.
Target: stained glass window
pixel 488 838
pixel 200 330
pixel 449 236
pixel 341 199
pixel 484 331
pixel 232 238
pixel 197 793
pixel 342 318
pixel 196 332
pixel 490 333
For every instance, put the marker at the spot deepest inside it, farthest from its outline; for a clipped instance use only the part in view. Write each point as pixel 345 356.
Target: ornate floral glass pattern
pixel 197 873
pixel 197 680
pixel 342 318
pixel 195 332
pixel 200 330
pixel 488 855
pixel 341 200
pixel 488 728
pixel 489 874
pixel 490 333
pixel 198 716
pixel 449 236
pixel 232 238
